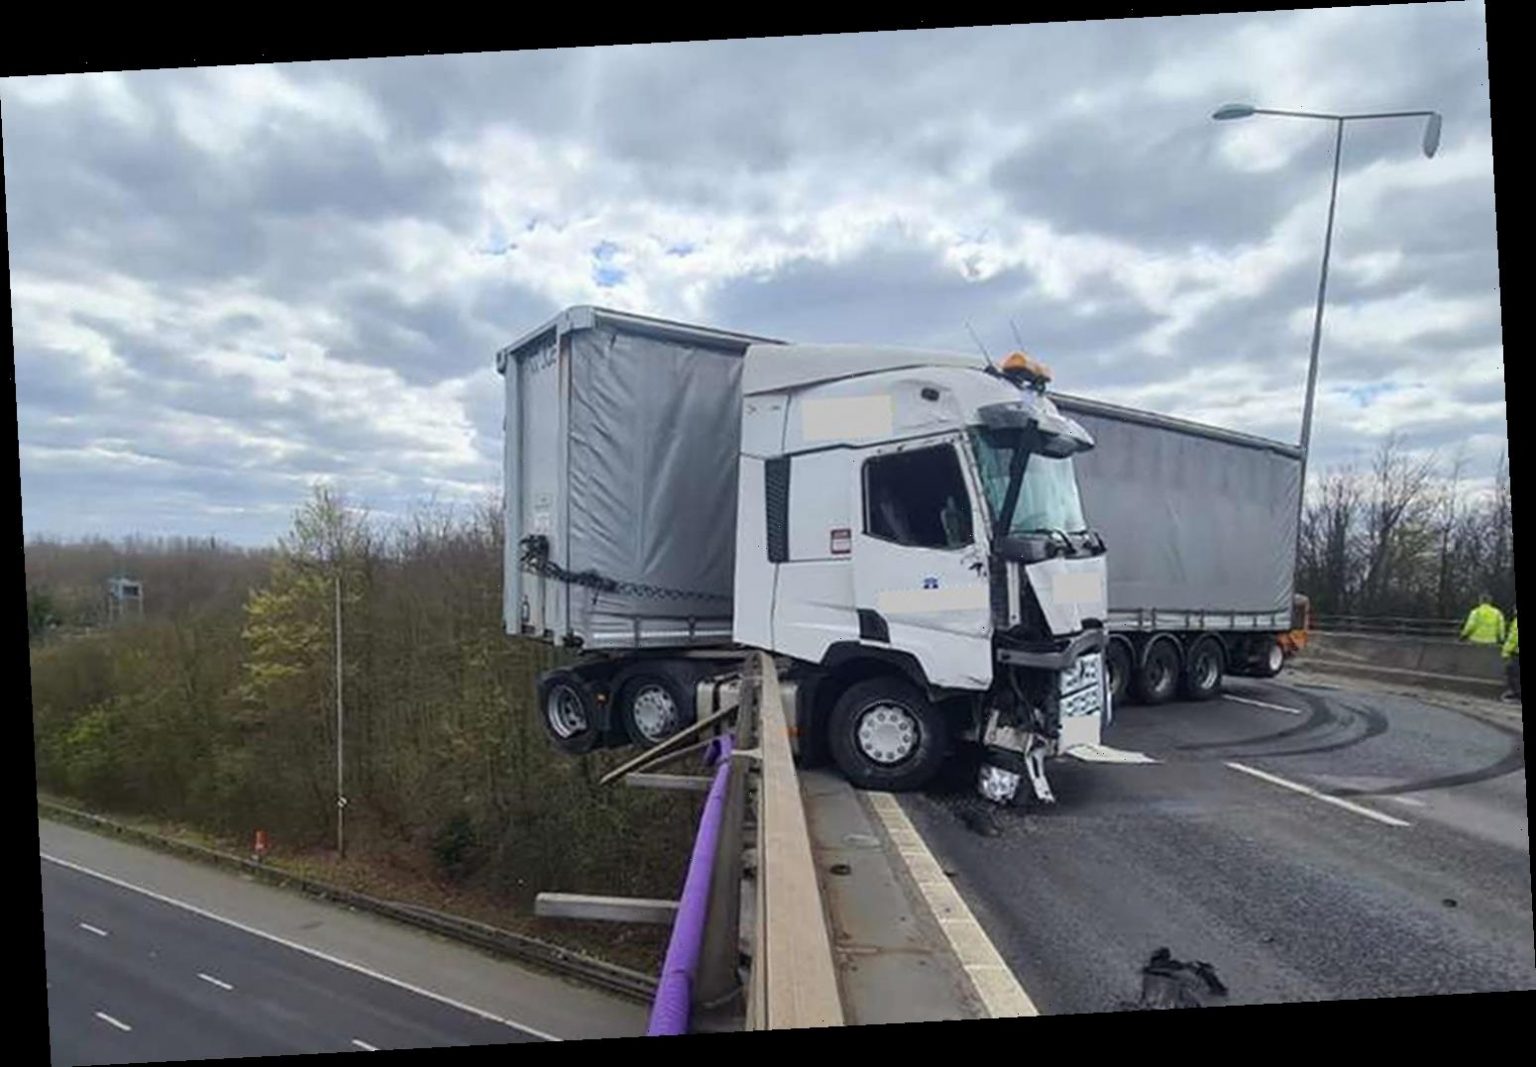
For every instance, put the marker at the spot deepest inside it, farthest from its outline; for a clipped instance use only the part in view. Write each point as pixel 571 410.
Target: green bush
pixel 456 846
pixel 218 711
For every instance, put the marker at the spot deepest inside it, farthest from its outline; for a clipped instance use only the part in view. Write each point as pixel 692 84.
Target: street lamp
pixel 1431 142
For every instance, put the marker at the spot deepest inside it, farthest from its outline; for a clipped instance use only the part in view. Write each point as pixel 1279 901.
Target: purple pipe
pixel 674 993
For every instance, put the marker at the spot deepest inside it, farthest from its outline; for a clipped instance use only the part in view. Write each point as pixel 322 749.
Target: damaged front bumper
pixel 1012 753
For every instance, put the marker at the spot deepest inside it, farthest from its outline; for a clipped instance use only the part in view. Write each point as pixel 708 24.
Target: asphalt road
pixel 134 978
pixel 1334 844
pixel 151 958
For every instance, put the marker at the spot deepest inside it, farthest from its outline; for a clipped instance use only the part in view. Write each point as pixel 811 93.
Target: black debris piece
pixel 1170 983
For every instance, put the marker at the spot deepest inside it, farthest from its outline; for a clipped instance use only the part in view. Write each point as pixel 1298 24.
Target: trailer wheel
pixel 1117 661
pixel 655 702
pixel 569 713
pixel 1157 679
pixel 1201 678
pixel 1269 660
pixel 885 735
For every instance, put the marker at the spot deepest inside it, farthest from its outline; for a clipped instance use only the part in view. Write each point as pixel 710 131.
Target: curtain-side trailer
pixel 1200 523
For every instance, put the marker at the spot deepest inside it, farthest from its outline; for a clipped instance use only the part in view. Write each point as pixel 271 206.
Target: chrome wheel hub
pixel 566 716
pixel 887 733
pixel 655 712
pixel 1206 677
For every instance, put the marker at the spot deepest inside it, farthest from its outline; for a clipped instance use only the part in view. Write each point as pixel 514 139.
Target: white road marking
pixel 1412 802
pixel 316 953
pixel 1307 790
pixel 104 1017
pixel 364 1045
pixel 1262 704
pixel 211 980
pixel 98 931
pixel 993 979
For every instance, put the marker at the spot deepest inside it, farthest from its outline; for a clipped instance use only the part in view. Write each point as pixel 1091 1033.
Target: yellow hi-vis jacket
pixel 1484 625
pixel 1512 645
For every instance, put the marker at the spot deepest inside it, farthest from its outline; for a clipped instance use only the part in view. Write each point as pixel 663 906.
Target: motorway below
pixel 150 957
pixel 1309 843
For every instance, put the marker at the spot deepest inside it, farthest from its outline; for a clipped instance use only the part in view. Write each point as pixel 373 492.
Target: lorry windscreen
pixel 1046 497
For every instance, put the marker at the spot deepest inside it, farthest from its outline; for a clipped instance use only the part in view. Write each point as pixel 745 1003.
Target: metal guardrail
pixel 793 976
pixel 519 947
pixel 760 957
pixel 1387 625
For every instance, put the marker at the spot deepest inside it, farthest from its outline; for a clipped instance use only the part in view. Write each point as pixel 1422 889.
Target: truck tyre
pixel 655 701
pixel 885 735
pixel 569 713
pixel 1201 677
pixel 1267 660
pixel 1157 679
pixel 1118 659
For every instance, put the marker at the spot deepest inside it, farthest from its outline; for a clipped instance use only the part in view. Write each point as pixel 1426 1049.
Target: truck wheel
pixel 1201 679
pixel 569 713
pixel 656 702
pixel 1269 661
pixel 1117 661
pixel 885 735
pixel 1157 679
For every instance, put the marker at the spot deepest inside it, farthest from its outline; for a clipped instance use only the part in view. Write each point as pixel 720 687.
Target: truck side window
pixel 917 498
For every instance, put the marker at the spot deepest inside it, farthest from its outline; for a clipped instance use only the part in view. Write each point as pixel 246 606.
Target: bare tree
pixel 1397 504
pixel 1499 532
pixel 1450 511
pixel 1329 550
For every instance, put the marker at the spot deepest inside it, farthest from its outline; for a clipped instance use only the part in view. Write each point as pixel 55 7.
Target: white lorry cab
pixel 901 529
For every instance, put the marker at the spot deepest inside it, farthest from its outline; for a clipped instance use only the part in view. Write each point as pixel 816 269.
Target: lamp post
pixel 341 796
pixel 1430 144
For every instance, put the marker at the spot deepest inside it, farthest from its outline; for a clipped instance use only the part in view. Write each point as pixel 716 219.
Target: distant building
pixel 125 599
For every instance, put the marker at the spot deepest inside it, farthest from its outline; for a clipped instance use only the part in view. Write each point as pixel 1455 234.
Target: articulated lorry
pixel 901 529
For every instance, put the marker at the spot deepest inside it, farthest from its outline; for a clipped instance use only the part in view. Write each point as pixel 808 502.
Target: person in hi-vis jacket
pixel 1485 623
pixel 1512 661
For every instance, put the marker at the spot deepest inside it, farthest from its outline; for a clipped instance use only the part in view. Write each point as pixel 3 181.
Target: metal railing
pixel 1448 629
pixel 793 976
pixel 749 946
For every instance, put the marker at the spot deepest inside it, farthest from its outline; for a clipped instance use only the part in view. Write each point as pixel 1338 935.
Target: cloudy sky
pixel 229 283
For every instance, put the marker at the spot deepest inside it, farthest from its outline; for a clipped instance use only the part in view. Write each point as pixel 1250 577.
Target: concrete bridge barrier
pixel 1433 663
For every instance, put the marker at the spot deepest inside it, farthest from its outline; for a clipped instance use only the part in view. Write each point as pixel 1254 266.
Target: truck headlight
pixel 1082 674
pixel 1083 702
pixel 998 785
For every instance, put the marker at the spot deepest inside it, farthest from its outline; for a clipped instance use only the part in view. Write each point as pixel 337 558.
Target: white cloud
pixel 1394 323
pixel 223 108
pixel 325 323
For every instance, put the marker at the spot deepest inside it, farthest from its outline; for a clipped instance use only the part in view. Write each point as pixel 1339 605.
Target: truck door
pixel 920 568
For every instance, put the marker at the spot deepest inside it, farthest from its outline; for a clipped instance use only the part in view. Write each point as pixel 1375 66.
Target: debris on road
pixel 1170 983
